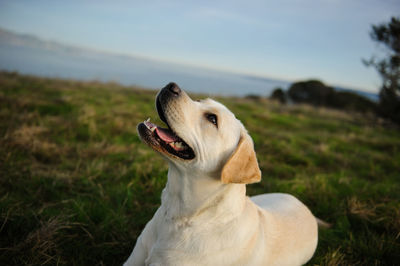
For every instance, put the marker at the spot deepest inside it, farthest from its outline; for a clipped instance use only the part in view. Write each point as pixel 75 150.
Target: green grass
pixel 77 186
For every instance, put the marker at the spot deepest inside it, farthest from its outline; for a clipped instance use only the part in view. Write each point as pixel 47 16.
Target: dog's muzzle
pixel 165 140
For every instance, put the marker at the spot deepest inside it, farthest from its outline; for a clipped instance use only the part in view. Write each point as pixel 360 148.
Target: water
pixel 84 64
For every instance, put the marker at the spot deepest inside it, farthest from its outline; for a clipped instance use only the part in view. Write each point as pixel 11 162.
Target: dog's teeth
pixel 178 145
pixel 152 129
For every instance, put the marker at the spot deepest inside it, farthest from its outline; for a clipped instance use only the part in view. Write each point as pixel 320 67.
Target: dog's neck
pixel 189 194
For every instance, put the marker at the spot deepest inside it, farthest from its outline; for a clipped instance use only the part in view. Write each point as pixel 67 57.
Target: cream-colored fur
pixel 205 217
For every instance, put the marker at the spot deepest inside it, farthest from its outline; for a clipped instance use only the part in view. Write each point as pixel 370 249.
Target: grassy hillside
pixel 77 186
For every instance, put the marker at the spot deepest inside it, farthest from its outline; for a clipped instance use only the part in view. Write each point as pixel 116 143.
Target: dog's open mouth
pixel 165 140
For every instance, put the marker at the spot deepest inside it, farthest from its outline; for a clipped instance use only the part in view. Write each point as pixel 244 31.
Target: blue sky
pixel 286 39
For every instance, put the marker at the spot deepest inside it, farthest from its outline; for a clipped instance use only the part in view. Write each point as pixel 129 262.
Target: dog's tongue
pixel 166 135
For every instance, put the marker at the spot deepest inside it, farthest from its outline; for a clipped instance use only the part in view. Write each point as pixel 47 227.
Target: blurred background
pixel 315 82
pixel 216 47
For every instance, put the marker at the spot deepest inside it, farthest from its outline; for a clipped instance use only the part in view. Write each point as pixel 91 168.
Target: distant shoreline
pixel 28 54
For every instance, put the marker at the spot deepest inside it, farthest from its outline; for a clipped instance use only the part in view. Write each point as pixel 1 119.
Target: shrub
pixel 316 93
pixel 278 95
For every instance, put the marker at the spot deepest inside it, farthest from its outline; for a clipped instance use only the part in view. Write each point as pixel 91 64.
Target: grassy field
pixel 77 186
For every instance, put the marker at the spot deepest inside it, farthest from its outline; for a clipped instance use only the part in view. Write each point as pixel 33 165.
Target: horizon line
pixel 182 62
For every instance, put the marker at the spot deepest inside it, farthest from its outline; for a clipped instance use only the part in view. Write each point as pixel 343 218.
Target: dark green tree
pixel 316 93
pixel 312 92
pixel 278 95
pixel 388 36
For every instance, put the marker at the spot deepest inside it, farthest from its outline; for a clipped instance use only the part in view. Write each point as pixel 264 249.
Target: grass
pixel 77 186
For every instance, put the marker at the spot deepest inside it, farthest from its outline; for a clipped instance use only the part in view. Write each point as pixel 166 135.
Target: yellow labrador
pixel 205 217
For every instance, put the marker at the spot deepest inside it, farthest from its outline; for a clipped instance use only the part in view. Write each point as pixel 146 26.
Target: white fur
pixel 202 221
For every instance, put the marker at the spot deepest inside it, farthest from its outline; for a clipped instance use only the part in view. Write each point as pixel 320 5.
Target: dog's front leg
pixel 138 255
pixel 141 250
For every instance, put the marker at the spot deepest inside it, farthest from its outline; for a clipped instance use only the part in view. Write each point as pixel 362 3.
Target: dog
pixel 205 217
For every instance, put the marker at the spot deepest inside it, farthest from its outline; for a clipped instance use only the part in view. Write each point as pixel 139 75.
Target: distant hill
pixel 27 40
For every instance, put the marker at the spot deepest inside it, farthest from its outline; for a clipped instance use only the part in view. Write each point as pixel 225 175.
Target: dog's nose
pixel 174 88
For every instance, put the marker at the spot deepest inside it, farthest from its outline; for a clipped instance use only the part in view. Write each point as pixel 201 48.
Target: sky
pixel 287 39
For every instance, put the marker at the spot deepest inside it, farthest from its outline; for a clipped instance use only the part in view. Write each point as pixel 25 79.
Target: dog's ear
pixel 242 167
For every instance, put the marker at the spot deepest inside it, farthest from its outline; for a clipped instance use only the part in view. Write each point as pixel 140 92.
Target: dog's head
pixel 201 136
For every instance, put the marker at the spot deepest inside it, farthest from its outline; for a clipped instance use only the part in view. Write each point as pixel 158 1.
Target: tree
pixel 312 92
pixel 316 93
pixel 278 95
pixel 388 35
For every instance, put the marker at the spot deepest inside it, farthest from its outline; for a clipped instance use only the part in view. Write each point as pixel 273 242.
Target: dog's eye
pixel 212 118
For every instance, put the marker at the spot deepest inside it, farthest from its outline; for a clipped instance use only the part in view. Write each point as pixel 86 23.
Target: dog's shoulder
pixel 277 201
pixel 284 208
